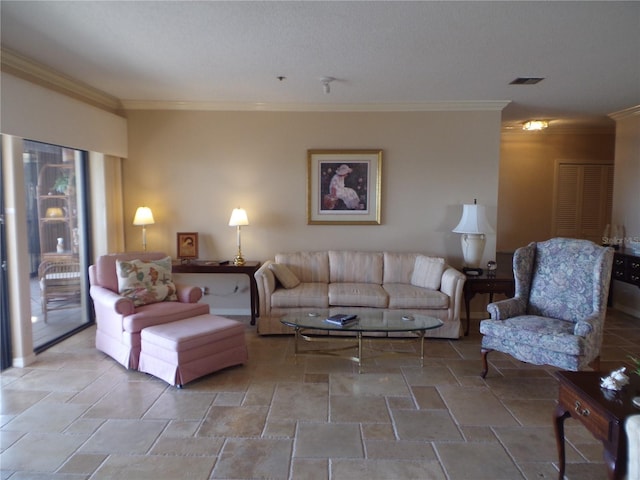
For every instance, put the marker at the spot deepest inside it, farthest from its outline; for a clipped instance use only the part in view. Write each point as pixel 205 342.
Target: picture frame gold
pixel 344 186
pixel 187 245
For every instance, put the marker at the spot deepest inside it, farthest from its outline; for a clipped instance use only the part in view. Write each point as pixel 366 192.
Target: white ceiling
pixel 389 55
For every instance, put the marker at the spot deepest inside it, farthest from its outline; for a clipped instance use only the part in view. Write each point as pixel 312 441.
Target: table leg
pixel 467 305
pixel 253 292
pixel 421 348
pixel 558 422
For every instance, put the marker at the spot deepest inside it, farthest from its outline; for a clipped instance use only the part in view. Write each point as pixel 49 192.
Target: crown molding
pixel 626 113
pixel 492 105
pixel 27 69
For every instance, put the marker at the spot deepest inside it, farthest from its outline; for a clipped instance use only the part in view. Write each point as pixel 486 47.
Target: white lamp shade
pixel 143 216
pixel 238 217
pixel 474 220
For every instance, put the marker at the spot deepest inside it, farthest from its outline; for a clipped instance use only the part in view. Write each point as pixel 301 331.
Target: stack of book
pixel 342 319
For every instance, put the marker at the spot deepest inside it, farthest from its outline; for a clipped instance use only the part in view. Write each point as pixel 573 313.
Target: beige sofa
pixel 328 282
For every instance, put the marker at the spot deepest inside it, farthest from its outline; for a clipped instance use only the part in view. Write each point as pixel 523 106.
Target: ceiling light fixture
pixel 535 125
pixel 325 84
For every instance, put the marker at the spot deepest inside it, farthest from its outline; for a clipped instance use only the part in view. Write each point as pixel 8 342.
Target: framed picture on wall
pixel 343 187
pixel 187 245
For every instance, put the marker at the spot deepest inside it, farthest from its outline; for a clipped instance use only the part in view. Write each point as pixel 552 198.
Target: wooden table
pixel 205 266
pixel 500 281
pixel 603 412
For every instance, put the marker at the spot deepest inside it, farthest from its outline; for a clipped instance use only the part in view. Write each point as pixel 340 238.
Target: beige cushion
pixel 357 295
pixel 355 267
pixel 427 272
pixel 285 276
pixel 146 282
pixel 398 267
pixel 309 267
pixel 304 295
pixel 408 296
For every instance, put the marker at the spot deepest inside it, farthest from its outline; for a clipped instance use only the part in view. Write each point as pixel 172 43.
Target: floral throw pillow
pixel 146 282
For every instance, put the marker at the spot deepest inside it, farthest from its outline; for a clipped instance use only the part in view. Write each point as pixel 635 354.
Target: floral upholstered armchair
pixel 557 315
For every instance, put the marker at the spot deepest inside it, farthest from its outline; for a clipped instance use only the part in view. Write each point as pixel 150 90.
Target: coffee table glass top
pixel 374 320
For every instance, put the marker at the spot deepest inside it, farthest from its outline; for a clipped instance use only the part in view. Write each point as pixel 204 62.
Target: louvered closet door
pixel 583 200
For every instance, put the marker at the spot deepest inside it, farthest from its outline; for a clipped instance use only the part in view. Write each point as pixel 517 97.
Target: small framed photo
pixel 343 187
pixel 187 245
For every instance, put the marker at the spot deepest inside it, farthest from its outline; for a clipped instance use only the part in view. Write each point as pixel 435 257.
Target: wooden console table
pixel 603 412
pixel 204 266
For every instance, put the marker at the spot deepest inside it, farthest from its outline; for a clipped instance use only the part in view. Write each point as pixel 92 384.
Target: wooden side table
pixel 204 266
pixel 500 282
pixel 602 412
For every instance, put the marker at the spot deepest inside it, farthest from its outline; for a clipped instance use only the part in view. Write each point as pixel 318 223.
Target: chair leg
pixel 485 365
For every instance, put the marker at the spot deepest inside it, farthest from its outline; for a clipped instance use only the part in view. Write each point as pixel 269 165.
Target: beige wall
pixel 525 192
pixel 192 168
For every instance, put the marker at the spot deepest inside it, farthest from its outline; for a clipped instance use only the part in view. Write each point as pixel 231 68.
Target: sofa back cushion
pixel 398 267
pixel 355 267
pixel 309 267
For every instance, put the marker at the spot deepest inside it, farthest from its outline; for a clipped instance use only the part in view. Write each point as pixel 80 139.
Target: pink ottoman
pixel 181 351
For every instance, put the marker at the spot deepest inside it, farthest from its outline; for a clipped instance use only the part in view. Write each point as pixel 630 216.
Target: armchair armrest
pixel 105 299
pixel 587 325
pixel 266 283
pixel 511 307
pixel 188 293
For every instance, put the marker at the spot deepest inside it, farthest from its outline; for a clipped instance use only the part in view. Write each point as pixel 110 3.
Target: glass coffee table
pixel 311 326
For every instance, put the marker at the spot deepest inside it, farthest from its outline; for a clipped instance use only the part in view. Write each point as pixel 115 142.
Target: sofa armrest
pixel 188 293
pixel 266 283
pixel 452 284
pixel 511 307
pixel 106 300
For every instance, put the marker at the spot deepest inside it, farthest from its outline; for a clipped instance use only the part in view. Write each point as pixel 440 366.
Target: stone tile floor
pixel 77 414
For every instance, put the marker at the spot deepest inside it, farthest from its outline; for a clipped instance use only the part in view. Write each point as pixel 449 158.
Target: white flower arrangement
pixel 616 380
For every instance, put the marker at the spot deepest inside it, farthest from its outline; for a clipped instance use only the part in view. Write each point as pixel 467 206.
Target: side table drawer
pixel 584 411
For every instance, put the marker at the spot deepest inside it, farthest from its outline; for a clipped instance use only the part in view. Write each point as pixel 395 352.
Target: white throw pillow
pixel 146 282
pixel 285 276
pixel 427 272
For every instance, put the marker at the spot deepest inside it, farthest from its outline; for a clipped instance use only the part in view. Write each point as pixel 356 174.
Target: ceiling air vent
pixel 526 81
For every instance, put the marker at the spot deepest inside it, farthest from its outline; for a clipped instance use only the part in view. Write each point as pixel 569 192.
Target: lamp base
pixel 238 261
pixel 472 248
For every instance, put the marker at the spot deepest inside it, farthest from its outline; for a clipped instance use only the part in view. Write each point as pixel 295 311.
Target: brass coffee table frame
pixel 368 322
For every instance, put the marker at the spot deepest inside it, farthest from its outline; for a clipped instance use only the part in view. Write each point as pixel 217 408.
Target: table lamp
pixel 238 218
pixel 143 217
pixel 473 225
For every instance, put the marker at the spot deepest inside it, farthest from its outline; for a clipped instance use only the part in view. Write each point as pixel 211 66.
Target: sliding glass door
pixel 5 326
pixel 58 240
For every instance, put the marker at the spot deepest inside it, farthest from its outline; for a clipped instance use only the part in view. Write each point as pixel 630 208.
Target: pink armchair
pixel 119 322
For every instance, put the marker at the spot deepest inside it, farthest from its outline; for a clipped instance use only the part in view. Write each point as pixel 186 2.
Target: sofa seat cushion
pixel 159 313
pixel 304 295
pixel 531 330
pixel 409 296
pixel 357 295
